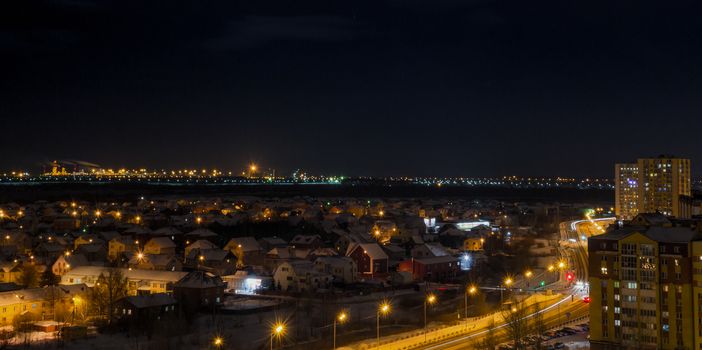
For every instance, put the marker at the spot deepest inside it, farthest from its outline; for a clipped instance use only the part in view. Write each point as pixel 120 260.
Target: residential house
pixel 247 250
pixel 138 281
pixel 66 262
pixel 300 276
pixel 306 242
pixel 119 246
pixel 200 244
pixel 342 268
pixel 159 262
pixel 427 250
pixel 370 258
pixel 160 245
pixel 198 290
pixel 434 269
pixel 141 311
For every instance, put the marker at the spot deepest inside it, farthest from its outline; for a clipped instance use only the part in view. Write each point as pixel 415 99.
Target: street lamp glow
pixel 340 318
pixel 527 274
pixel 550 268
pixel 508 281
pixel 278 329
pixel 384 307
pixel 561 264
pixel 218 341
pixel 431 299
pixel 472 290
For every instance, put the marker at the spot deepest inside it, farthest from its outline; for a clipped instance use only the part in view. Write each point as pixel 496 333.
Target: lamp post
pixel 528 275
pixel 470 290
pixel 218 342
pixel 383 308
pixel 278 330
pixel 430 299
pixel 341 317
pixel 507 282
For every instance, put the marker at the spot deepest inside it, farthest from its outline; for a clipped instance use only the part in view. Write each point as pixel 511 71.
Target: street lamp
pixel 341 318
pixel 506 283
pixel 430 299
pixel 383 308
pixel 472 289
pixel 278 330
pixel 528 275
pixel 218 342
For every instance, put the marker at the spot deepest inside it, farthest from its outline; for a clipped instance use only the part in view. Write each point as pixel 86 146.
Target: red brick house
pixel 369 258
pixel 440 268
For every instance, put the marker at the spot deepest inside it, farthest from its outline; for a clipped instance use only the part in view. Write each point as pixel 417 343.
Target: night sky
pixel 379 87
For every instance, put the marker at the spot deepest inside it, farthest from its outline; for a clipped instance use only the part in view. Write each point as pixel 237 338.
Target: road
pixel 574 236
pixel 554 316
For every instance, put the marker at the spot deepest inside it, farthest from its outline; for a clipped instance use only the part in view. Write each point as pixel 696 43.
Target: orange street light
pixel 340 318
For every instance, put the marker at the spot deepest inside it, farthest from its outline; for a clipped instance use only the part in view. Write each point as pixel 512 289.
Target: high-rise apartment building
pixel 646 286
pixel 626 177
pixel 665 186
pixel 661 185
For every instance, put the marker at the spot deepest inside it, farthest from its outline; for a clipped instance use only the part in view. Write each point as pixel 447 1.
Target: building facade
pixel 646 288
pixel 665 186
pixel 653 185
pixel 626 177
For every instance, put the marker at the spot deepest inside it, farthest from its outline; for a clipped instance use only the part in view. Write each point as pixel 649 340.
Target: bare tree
pixel 29 276
pixel 489 341
pixel 538 326
pixel 110 287
pixel 516 322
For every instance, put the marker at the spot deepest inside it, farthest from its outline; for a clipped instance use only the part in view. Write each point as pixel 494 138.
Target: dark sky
pixel 378 87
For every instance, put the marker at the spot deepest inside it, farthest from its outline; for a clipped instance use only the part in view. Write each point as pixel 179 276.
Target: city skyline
pixel 447 88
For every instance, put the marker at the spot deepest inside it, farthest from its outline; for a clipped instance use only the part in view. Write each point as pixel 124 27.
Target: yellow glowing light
pixel 431 298
pixel 218 341
pixel 278 329
pixel 528 273
pixel 342 317
pixel 472 290
pixel 508 281
pixel 384 308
